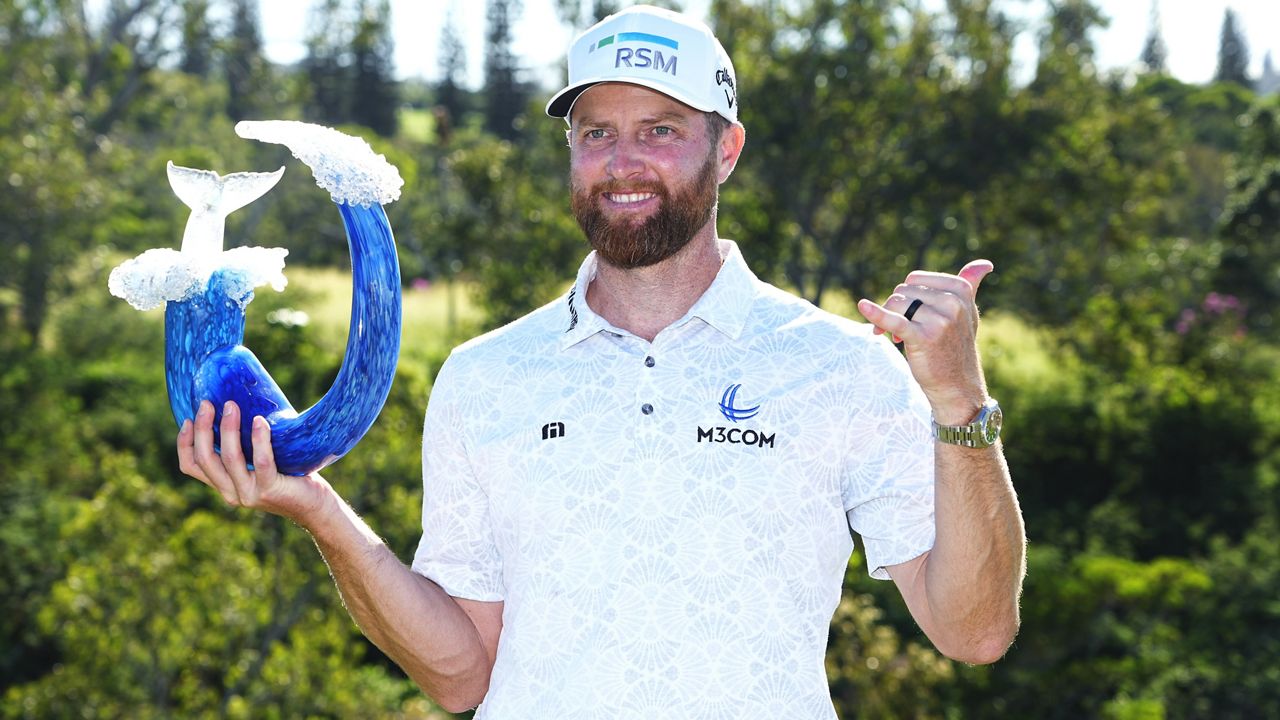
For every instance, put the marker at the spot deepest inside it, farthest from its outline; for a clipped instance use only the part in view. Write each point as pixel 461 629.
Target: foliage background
pixel 1130 333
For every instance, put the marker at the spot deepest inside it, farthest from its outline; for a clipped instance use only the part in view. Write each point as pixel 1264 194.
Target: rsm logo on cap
pixel 641 57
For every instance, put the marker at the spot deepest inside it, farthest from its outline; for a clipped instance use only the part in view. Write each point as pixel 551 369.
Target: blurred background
pixel 1118 161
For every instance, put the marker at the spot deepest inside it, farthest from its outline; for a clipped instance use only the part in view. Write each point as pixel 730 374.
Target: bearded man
pixel 638 500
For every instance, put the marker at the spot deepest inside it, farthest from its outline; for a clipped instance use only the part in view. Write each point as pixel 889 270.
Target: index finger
pixel 187 452
pixel 965 283
pixel 954 284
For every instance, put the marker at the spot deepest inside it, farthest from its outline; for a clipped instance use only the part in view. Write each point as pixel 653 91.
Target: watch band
pixel 966 435
pixel 981 433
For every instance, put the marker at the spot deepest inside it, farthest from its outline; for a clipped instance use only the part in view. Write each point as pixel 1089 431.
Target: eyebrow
pixel 668 117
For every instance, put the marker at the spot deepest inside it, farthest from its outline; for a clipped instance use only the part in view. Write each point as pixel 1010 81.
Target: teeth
pixel 630 197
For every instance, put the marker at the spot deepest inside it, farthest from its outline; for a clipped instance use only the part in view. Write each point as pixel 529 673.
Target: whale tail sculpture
pixel 205 291
pixel 212 197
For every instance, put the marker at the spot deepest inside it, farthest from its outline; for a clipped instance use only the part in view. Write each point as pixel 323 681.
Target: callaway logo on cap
pixel 657 49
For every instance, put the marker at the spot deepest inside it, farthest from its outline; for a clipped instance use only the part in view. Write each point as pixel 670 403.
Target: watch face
pixel 991 429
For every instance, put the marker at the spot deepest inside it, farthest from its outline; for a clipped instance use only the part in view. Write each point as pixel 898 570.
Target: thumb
pixel 975 271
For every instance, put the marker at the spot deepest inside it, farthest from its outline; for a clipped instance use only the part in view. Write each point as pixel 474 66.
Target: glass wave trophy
pixel 205 291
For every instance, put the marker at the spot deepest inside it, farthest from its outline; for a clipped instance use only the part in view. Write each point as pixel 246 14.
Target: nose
pixel 626 160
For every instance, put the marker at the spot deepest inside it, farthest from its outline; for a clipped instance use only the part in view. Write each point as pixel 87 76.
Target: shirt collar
pixel 724 306
pixel 727 303
pixel 580 321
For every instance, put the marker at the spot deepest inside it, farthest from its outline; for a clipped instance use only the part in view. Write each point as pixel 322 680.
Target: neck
pixel 646 300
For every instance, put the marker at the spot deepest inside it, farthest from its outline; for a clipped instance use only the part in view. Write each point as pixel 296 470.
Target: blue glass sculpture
pixel 206 290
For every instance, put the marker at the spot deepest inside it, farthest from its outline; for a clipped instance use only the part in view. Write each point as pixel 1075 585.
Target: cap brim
pixel 562 103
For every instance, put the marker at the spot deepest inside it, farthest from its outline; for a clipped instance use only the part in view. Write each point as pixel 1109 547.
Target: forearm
pixel 964 591
pixel 973 575
pixel 409 617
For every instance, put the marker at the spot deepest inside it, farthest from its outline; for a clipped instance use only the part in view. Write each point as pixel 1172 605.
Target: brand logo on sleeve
pixel 552 430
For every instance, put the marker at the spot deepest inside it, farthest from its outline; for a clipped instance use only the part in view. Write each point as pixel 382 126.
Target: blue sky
pixel 1190 30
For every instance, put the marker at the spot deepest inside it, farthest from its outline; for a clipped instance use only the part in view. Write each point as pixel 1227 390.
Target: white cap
pixel 654 48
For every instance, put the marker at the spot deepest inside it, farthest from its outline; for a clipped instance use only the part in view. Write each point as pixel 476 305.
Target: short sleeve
pixel 889 472
pixel 457 550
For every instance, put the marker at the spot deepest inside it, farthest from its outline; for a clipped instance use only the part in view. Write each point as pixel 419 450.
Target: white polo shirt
pixel 668 523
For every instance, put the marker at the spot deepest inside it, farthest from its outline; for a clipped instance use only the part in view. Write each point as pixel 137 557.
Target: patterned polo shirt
pixel 668 523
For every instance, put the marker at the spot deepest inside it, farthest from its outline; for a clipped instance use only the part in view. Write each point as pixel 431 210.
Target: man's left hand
pixel 940 339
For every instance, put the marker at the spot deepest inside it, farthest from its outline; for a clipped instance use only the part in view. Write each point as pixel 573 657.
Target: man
pixel 638 498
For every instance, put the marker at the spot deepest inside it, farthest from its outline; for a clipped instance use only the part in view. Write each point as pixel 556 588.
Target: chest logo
pixel 734 412
pixel 730 410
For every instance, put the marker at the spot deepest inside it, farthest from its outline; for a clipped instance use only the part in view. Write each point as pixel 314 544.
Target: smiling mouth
pixel 629 198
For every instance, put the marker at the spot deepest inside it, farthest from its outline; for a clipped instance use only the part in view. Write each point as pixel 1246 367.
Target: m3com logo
pixel 731 412
pixel 734 412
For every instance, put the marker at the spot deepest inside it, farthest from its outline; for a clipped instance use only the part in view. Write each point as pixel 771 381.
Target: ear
pixel 732 140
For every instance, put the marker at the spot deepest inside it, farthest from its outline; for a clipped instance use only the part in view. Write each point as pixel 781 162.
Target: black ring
pixel 912 308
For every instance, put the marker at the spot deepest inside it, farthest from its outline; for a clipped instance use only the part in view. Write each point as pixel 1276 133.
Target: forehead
pixel 614 102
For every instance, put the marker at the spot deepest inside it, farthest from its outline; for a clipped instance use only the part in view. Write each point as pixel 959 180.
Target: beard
pixel 626 243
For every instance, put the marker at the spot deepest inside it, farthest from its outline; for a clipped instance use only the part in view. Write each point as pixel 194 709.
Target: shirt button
pixel 649 361
pixel 647 409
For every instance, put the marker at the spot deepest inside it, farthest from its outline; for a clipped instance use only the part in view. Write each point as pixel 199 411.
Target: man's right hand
pixel 447 645
pixel 263 487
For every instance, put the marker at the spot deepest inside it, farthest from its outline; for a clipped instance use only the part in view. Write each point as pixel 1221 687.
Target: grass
pixel 436 318
pixel 417 125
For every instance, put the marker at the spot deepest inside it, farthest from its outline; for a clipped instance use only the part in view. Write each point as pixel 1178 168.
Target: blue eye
pixel 662 130
pixel 595 134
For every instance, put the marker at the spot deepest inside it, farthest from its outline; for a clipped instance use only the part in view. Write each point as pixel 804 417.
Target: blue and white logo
pixel 641 57
pixel 730 410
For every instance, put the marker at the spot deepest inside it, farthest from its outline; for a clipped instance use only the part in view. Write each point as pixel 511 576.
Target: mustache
pixel 616 185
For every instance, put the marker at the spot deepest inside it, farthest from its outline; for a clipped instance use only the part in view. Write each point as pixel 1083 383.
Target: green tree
pixel 349 67
pixel 197 38
pixel 1101 637
pixel 196 610
pixel 1132 227
pixel 328 62
pixel 581 15
pixel 1233 53
pixel 504 94
pixel 889 140
pixel 876 671
pixel 1150 440
pixel 1155 53
pixel 76 392
pixel 118 58
pixel 246 70
pixel 450 96
pixel 69 86
pixel 827 155
pixel 1230 663
pixel 1251 222
pixel 197 614
pixel 375 98
pixel 506 218
pixel 1206 121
